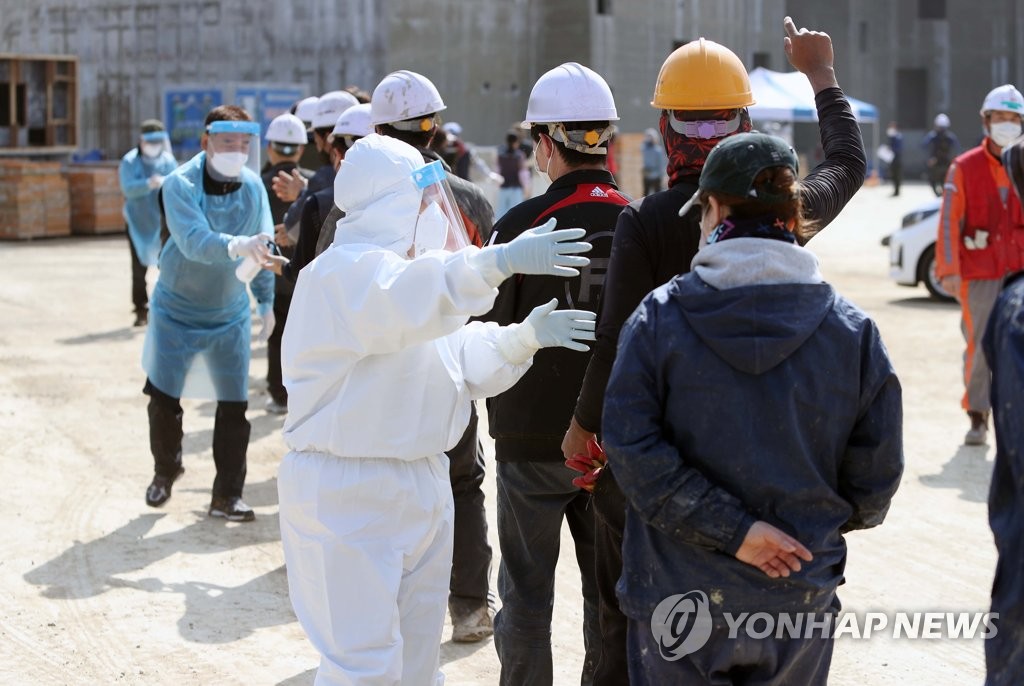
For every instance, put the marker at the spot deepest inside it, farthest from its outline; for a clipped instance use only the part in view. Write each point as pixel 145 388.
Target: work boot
pixel 275 407
pixel 231 509
pixel 978 433
pixel 141 317
pixel 472 626
pixel 159 491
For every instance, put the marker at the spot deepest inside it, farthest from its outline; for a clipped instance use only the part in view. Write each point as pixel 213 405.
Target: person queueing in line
pixel 702 91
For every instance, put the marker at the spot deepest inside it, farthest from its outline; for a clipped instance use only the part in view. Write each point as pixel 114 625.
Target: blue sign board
pixel 185 110
pixel 265 103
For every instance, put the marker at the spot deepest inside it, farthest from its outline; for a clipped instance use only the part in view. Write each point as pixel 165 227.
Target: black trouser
pixel 139 298
pixel 471 558
pixel 896 172
pixel 275 386
pixel 230 440
pixel 937 177
pixel 610 521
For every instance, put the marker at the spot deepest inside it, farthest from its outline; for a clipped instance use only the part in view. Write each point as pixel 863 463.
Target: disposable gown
pixel 198 338
pixel 141 205
pixel 380 367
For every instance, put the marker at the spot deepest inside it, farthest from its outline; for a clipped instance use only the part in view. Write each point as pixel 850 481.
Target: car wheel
pixel 926 273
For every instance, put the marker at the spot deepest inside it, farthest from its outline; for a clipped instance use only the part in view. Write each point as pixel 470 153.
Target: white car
pixel 912 249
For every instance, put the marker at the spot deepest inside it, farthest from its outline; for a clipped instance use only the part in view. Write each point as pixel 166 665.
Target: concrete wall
pixel 128 51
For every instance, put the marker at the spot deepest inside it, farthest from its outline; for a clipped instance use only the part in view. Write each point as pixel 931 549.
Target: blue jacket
pixel 1004 348
pixel 759 402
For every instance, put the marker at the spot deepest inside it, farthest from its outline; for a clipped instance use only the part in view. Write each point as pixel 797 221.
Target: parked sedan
pixel 912 249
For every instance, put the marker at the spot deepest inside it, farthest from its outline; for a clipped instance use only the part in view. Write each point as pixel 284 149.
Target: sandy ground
pixel 97 588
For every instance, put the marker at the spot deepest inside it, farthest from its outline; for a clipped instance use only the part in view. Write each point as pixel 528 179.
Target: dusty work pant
pixel 230 440
pixel 368 549
pixel 471 557
pixel 976 300
pixel 724 661
pixel 140 300
pixel 533 499
pixel 610 522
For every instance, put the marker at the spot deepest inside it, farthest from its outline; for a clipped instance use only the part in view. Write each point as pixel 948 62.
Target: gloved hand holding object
pixel 546 327
pixel 249 246
pixel 540 250
pixel 589 466
pixel 266 314
pixel 155 181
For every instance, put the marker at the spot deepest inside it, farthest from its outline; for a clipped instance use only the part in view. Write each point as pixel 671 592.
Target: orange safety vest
pixel 995 210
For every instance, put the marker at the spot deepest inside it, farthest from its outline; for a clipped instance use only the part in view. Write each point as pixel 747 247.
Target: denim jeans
pixel 533 499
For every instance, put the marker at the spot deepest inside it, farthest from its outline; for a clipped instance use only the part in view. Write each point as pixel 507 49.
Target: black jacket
pixel 278 208
pixel 529 420
pixel 315 208
pixel 652 244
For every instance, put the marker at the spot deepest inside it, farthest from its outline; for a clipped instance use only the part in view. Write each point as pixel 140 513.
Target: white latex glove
pixel 540 250
pixel 546 327
pixel 266 312
pixel 155 181
pixel 496 178
pixel 249 246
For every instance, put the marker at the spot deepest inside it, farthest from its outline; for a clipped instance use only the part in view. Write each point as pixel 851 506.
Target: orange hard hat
pixel 702 75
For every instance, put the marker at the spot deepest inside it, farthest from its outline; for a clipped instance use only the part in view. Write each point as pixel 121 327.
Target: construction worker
pixel 569 114
pixel 1004 351
pixel 981 240
pixel 942 145
pixel 702 91
pixel 405 105
pixel 745 441
pixel 286 139
pixel 141 173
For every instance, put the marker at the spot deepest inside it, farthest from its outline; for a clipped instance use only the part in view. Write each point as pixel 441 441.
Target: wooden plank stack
pixel 34 200
pixel 96 199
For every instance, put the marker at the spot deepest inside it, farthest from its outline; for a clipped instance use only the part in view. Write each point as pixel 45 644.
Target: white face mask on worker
pixel 228 164
pixel 152 149
pixel 1005 132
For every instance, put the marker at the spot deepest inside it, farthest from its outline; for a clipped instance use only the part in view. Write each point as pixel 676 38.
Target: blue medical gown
pixel 141 205
pixel 198 338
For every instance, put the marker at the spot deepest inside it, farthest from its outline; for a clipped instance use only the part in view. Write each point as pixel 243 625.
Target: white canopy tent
pixel 788 97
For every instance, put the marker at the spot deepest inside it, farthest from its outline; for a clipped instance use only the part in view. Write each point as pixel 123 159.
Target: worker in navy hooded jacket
pixel 752 418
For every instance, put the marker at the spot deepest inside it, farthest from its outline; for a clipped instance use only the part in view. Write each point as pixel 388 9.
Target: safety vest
pixel 988 208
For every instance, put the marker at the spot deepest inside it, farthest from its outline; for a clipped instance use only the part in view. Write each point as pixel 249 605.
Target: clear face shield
pixel 154 144
pixel 439 225
pixel 232 146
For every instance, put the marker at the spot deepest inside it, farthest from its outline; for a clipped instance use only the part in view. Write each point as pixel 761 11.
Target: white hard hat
pixel 1005 98
pixel 941 121
pixel 404 95
pixel 355 121
pixel 570 92
pixel 287 128
pixel 330 107
pixel 452 127
pixel 306 108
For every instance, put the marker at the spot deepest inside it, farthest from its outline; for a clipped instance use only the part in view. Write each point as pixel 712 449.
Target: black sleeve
pixel 629 278
pixel 831 184
pixel 503 312
pixel 305 247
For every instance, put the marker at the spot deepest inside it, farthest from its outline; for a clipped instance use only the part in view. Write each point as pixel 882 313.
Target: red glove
pixel 589 465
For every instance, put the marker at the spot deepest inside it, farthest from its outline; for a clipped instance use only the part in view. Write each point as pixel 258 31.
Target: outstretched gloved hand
pixel 546 327
pixel 540 250
pixel 266 313
pixel 589 465
pixel 249 246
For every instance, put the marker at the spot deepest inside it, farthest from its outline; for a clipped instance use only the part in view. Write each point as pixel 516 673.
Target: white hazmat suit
pixel 381 366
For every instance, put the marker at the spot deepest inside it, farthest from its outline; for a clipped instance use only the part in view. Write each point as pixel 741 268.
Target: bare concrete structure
pixel 911 58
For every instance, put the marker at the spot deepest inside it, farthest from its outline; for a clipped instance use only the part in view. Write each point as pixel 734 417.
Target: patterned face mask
pixel 687 153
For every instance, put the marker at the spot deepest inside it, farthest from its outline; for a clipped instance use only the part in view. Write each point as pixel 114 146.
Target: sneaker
pixel 978 433
pixel 472 627
pixel 274 407
pixel 159 491
pixel 141 317
pixel 231 509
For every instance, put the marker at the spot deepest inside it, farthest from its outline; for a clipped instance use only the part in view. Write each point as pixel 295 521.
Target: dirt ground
pixel 98 589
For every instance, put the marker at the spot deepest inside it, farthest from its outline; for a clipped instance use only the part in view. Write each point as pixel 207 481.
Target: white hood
pixel 374 188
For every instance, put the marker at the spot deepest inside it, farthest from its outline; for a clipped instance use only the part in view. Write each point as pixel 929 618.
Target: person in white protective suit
pixel 381 367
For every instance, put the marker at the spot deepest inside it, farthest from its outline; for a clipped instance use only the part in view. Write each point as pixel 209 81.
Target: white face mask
pixel 1004 132
pixel 152 149
pixel 891 132
pixel 228 164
